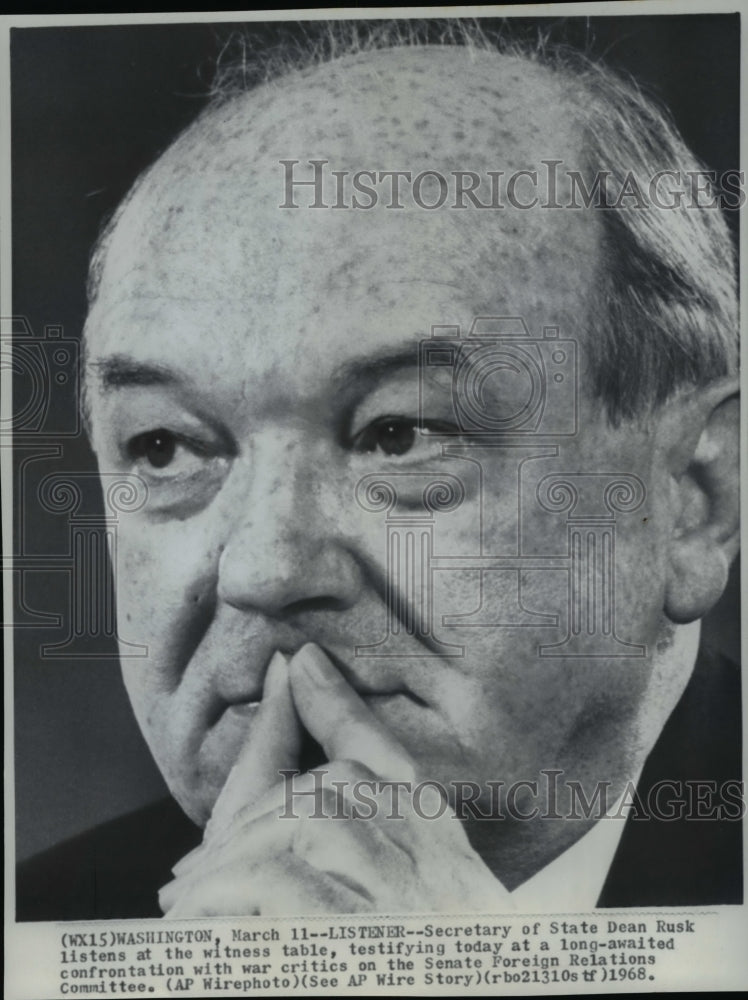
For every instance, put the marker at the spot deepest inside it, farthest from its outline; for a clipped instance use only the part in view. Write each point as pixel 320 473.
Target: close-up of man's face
pixel 375 489
pixel 270 364
pixel 255 364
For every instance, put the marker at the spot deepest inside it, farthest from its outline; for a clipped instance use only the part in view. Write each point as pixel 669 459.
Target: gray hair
pixel 665 312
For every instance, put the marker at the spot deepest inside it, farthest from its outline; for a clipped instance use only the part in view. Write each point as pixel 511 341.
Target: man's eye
pixel 183 471
pixel 394 436
pixel 156 447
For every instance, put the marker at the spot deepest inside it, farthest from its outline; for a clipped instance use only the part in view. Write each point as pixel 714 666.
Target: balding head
pixel 216 195
pixel 659 303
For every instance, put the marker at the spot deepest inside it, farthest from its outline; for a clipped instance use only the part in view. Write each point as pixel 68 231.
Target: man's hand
pixel 256 860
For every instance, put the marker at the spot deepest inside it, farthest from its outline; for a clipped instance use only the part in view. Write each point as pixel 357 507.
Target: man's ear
pixel 703 453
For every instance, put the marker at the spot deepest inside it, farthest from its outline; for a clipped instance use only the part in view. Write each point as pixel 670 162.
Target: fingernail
pixel 276 678
pixel 316 664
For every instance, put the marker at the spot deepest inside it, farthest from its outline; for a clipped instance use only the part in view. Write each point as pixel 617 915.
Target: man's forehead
pixel 445 109
pixel 419 103
pixel 207 222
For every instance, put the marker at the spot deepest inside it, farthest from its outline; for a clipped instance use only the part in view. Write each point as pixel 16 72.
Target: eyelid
pixel 181 438
pixel 184 440
pixel 386 418
pixel 437 427
pixel 421 428
pixel 193 460
pixel 204 438
pixel 142 410
pixel 424 426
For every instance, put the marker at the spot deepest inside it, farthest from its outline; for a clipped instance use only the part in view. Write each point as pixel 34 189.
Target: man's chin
pixel 198 805
pixel 198 791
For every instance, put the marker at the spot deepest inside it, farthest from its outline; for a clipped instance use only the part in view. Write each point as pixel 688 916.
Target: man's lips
pixel 366 689
pixel 245 703
pixel 246 706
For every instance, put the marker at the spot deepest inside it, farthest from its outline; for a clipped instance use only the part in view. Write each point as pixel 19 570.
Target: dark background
pixel 91 107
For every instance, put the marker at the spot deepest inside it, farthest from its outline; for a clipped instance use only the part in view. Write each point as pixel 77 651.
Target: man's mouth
pixel 244 707
pixel 367 690
pixel 247 704
pixel 250 705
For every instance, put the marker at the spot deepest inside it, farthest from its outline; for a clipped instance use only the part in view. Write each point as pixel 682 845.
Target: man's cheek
pixel 642 549
pixel 477 608
pixel 165 582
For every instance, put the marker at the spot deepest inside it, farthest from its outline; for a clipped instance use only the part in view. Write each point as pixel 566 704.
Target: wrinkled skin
pixel 247 336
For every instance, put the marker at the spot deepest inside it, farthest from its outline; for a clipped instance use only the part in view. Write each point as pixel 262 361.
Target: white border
pixel 25 944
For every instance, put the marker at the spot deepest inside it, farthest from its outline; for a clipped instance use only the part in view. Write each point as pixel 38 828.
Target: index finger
pixel 273 743
pixel 341 721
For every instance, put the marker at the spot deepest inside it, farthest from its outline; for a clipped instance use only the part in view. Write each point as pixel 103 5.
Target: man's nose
pixel 286 553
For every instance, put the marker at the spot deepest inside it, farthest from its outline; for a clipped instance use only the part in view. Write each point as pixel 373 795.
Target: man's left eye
pixel 394 436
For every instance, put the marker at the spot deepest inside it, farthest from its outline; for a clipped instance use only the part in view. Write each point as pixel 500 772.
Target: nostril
pixel 283 573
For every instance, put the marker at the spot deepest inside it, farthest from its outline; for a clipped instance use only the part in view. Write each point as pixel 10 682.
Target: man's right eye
pixel 157 448
pixel 163 455
pixel 182 471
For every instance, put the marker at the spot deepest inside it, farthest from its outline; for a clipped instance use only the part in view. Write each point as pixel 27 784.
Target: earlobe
pixel 705 532
pixel 697 577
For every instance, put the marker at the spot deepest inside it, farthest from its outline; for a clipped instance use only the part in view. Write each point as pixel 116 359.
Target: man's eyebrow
pixel 120 370
pixel 365 371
